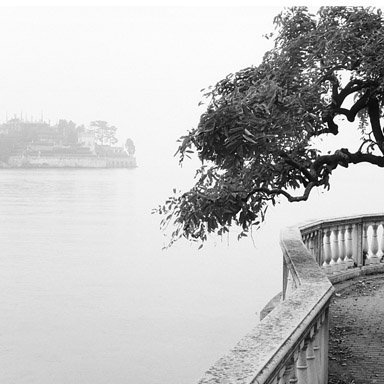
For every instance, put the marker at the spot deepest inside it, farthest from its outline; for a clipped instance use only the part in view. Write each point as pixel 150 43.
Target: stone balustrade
pixel 346 243
pixel 290 345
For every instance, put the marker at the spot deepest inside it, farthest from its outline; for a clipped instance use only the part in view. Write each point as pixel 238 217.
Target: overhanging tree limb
pixel 278 191
pixel 255 137
pixel 374 116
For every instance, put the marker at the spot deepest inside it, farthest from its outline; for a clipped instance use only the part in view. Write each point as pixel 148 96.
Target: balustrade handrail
pixel 291 343
pixel 326 223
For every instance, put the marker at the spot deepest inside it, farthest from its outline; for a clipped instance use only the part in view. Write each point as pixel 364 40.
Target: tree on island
pixel 130 146
pixel 105 134
pixel 67 131
pixel 256 139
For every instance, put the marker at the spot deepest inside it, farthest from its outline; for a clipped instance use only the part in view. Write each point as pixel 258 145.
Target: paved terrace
pixel 356 343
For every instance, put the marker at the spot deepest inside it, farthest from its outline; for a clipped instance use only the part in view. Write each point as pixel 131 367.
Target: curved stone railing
pixel 290 345
pixel 346 246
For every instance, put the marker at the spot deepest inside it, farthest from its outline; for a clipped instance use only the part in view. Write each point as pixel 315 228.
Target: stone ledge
pixel 271 305
pixel 263 351
pixel 260 355
pixel 356 272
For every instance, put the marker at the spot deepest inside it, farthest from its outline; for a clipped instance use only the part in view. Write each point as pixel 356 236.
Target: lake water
pixel 88 296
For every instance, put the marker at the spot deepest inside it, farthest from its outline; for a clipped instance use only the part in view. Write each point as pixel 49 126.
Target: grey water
pixel 87 295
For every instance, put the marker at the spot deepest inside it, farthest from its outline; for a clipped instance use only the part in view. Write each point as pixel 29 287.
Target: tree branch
pixel 279 191
pixel 352 87
pixel 297 165
pixel 343 157
pixel 330 73
pixel 366 142
pixel 358 157
pixel 335 109
pixel 338 98
pixel 374 117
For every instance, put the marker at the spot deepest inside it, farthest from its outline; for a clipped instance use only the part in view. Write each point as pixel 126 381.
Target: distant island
pixel 38 144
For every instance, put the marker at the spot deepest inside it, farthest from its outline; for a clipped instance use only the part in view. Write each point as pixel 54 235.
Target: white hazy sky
pixel 139 68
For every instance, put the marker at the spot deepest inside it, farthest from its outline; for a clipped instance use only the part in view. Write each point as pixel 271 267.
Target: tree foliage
pixel 255 140
pixel 130 146
pixel 105 134
pixel 67 130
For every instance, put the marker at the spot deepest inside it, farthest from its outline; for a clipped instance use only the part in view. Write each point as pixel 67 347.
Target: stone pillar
pixel 382 241
pixel 349 248
pixel 358 250
pixel 324 345
pixel 311 244
pixel 327 252
pixel 291 368
pixel 373 257
pixel 342 247
pixel 364 244
pixel 287 373
pixel 318 242
pixel 317 351
pixel 311 363
pixel 301 365
pixel 335 251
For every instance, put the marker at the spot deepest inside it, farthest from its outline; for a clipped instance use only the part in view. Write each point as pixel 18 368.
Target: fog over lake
pixel 88 296
pixel 87 293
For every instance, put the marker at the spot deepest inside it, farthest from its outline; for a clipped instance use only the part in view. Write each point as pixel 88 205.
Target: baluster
pixel 312 244
pixel 364 246
pixel 342 253
pixel 280 377
pixel 327 251
pixel 293 379
pixel 293 376
pixel 382 242
pixel 373 257
pixel 301 365
pixel 318 242
pixel 313 374
pixel 323 334
pixel 286 373
pixel 348 248
pixel 355 244
pixel 335 251
pixel 317 350
pixel 311 362
pixel 357 239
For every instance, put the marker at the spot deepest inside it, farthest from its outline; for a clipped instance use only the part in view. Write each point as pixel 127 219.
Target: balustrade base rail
pixel 356 272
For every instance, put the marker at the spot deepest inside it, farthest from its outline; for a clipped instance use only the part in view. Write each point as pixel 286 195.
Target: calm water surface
pixel 88 296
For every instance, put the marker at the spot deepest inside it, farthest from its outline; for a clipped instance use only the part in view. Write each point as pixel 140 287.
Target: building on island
pixel 26 144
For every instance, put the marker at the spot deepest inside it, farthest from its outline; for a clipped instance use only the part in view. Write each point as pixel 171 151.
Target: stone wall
pixel 68 161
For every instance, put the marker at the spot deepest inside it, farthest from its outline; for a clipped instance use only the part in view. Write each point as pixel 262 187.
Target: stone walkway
pixel 356 345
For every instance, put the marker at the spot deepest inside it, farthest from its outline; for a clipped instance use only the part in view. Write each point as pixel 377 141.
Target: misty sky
pixel 139 68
